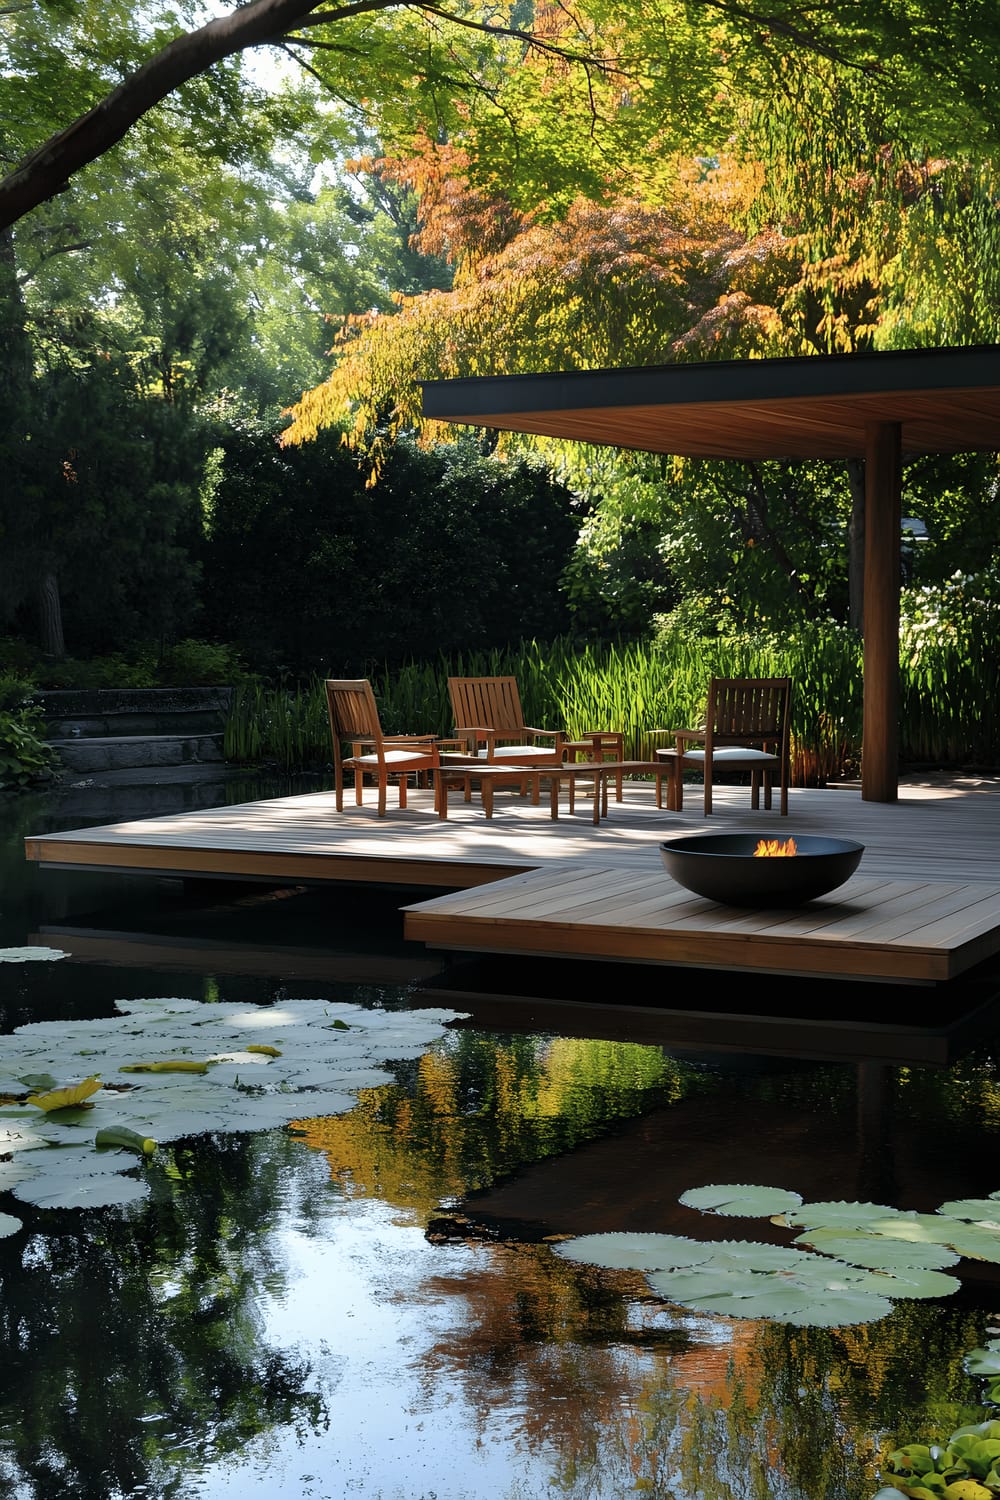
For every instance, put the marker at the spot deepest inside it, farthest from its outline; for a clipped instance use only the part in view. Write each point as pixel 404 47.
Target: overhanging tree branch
pixel 46 171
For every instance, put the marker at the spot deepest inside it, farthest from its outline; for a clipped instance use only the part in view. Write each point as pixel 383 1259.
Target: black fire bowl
pixel 723 867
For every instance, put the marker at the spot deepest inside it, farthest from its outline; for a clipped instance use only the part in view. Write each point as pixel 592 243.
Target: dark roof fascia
pixel 810 376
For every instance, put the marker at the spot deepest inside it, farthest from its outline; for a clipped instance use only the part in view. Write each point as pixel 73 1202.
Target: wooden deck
pixel 923 907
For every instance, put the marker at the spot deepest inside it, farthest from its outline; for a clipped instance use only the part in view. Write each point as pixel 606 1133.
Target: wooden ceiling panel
pixel 945 400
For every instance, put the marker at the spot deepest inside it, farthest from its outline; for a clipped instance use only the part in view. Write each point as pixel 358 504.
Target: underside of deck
pixel 923 907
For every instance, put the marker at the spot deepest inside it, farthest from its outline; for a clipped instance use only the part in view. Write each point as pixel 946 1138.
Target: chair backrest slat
pixel 353 710
pixel 748 706
pixel 486 703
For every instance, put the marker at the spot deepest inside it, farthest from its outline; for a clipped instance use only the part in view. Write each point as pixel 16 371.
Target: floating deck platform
pixel 923 907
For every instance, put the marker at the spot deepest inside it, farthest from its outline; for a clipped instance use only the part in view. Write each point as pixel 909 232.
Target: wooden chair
pixel 354 720
pixel 746 726
pixel 489 718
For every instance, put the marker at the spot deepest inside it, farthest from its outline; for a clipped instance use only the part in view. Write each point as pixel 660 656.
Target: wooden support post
pixel 883 514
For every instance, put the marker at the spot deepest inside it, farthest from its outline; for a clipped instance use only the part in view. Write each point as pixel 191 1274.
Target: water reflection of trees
pixel 626 1392
pixel 695 1408
pixel 474 1109
pixel 134 1354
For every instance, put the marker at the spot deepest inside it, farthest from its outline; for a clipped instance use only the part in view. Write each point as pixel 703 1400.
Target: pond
pixel 370 1303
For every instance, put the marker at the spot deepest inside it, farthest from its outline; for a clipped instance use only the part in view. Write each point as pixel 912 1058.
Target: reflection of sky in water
pixel 370 1305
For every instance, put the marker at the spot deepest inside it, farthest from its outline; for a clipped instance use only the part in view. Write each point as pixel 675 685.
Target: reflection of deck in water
pixel 924 906
pixel 894 1024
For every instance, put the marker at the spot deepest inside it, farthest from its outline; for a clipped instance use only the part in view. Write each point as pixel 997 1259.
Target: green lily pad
pixel 830 1215
pixel 792 1287
pixel 916 1283
pixel 635 1252
pixel 975 1240
pixel 878 1252
pixel 741 1200
pixel 29 955
pixel 977 1209
pixel 984 1361
pixel 96 1191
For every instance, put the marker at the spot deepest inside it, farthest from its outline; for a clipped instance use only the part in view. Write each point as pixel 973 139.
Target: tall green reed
pixel 949 691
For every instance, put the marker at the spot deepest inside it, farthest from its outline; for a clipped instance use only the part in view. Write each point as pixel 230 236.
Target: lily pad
pixel 9 1225
pixel 741 1200
pixel 984 1361
pixel 97 1191
pixel 767 1281
pixel 823 1215
pixel 914 1283
pixel 635 1252
pixel 976 1209
pixel 878 1252
pixel 30 955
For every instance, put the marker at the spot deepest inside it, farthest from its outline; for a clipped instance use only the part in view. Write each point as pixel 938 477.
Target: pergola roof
pixel 817 406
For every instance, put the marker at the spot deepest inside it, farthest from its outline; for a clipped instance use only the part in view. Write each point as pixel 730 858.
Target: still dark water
pixel 372 1308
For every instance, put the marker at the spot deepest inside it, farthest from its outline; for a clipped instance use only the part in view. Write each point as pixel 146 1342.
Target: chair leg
pixel 402 789
pixel 382 782
pixel 359 778
pixel 755 790
pixel 708 785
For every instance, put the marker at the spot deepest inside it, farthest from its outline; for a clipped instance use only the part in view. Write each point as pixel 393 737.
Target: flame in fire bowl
pixel 727 867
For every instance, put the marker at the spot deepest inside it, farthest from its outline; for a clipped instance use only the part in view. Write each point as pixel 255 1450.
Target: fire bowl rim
pixel 703 864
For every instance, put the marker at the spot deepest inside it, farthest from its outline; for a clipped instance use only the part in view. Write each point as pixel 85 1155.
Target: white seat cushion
pixel 391 757
pixel 524 753
pixel 741 753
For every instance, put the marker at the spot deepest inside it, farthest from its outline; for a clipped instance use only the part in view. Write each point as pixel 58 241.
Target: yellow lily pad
pixel 65 1098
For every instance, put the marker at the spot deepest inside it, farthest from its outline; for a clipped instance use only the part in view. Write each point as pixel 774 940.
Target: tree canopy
pixel 930 64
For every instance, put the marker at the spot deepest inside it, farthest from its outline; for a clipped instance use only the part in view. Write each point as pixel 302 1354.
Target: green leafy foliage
pixel 316 572
pixel 25 758
pixel 964 1468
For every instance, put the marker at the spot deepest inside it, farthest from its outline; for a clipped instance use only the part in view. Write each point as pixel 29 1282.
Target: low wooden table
pixel 598 744
pixel 666 769
pixel 569 773
pixel 488 776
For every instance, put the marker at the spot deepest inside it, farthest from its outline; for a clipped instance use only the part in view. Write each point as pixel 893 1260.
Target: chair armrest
pixel 545 734
pixel 685 737
pixel 475 734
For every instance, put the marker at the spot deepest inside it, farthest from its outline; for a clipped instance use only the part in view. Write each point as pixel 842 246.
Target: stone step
pixel 130 712
pixel 121 752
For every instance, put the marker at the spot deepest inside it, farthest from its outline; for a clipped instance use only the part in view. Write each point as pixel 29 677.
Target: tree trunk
pixel 856 546
pixel 50 626
pixel 15 401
